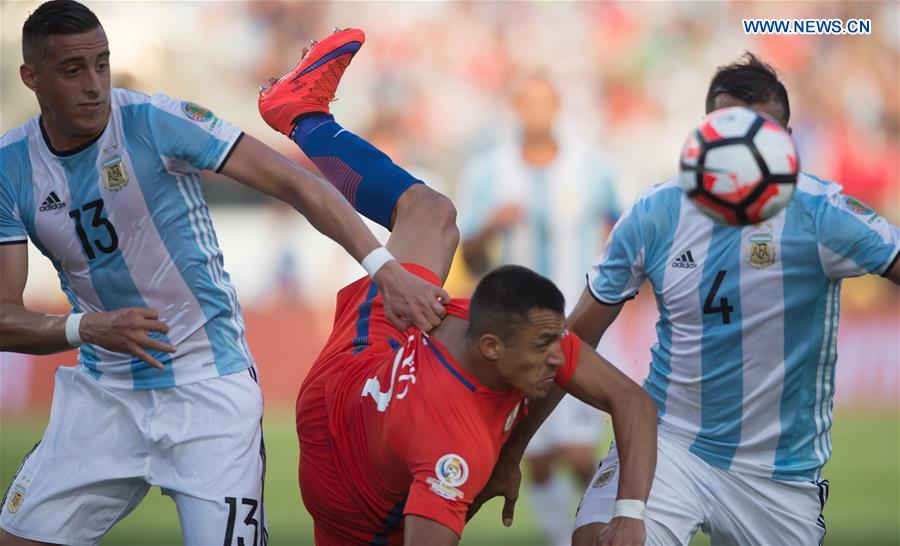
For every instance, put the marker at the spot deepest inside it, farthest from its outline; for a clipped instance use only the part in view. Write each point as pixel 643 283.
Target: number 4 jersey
pixel 125 224
pixel 743 371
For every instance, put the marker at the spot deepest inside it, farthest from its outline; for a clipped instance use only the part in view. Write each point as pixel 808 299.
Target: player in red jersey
pixel 400 430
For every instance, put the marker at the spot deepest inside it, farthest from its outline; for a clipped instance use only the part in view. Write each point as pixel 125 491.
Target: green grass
pixel 864 508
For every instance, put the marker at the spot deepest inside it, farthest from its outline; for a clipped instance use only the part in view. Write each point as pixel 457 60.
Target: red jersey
pixel 408 430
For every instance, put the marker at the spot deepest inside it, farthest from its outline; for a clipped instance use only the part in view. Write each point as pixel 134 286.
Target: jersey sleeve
pixel 12 229
pixel 449 468
pixel 190 134
pixel 852 238
pixel 571 345
pixel 619 271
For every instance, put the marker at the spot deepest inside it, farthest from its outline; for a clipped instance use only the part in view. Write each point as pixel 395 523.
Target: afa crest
pixel 15 500
pixel 761 252
pixel 114 174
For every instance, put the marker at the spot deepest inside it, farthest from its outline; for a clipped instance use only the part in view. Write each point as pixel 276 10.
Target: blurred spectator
pixel 544 195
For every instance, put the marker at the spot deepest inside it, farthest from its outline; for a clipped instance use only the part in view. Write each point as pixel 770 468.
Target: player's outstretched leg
pixel 421 220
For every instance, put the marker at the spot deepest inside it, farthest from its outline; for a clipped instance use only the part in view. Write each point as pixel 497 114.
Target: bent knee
pixel 421 201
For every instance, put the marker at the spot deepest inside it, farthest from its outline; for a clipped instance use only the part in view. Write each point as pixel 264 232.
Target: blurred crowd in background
pixel 433 88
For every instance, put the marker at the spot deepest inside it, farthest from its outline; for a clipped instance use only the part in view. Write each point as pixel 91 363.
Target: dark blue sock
pixel 306 124
pixel 364 175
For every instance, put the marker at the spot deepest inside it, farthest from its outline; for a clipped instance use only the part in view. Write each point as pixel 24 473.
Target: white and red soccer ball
pixel 739 167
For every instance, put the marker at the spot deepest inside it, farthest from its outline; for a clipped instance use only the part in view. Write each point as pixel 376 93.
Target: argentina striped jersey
pixel 124 221
pixel 743 371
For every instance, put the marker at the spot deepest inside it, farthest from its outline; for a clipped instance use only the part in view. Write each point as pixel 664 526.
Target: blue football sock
pixel 364 175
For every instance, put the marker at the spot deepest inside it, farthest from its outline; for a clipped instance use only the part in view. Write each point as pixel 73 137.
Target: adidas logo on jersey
pixel 52 202
pixel 685 261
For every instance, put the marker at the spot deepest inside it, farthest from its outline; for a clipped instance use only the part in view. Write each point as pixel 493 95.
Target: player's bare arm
pixel 25 331
pixel 634 415
pixel 427 532
pixel 408 299
pixel 893 272
pixel 475 248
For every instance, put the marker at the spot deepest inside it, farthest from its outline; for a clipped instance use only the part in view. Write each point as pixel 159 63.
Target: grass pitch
pixel 864 508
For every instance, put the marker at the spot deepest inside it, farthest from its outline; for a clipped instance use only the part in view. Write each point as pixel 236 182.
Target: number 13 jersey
pixel 124 222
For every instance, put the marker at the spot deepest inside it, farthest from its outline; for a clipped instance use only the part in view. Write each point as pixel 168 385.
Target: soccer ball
pixel 739 167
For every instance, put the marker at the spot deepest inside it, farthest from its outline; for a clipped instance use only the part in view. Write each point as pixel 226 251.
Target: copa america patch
pixel 856 206
pixel 451 471
pixel 196 112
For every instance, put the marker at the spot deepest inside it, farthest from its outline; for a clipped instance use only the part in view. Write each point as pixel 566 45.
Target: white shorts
pixel 732 508
pixel 572 423
pixel 104 448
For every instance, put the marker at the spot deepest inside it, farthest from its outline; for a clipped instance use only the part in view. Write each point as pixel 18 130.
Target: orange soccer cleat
pixel 311 85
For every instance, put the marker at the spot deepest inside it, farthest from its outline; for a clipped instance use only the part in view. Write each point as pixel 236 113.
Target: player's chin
pixel 540 390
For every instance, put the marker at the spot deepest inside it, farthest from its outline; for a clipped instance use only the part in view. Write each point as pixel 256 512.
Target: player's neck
pixel 452 335
pixel 61 141
pixel 539 150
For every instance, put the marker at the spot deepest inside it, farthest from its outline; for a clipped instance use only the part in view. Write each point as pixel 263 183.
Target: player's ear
pixel 490 346
pixel 29 76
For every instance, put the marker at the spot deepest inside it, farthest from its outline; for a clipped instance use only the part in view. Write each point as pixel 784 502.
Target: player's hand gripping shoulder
pixel 622 531
pixel 126 331
pixel 410 300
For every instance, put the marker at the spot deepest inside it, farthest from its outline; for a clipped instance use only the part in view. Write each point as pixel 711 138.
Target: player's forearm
pixel 25 331
pixel 258 166
pixel 634 421
pixel 331 214
pixel 475 250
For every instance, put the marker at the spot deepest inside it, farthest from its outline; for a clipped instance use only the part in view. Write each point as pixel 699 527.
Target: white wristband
pixel 629 508
pixel 73 322
pixel 377 258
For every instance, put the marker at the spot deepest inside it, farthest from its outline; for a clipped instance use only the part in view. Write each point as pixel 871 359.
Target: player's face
pixel 71 81
pixel 773 108
pixel 536 104
pixel 531 358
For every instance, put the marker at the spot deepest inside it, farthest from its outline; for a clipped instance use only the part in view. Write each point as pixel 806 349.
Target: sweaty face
pixel 532 356
pixel 71 80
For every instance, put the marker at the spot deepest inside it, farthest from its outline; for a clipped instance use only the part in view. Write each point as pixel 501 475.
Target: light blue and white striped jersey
pixel 568 206
pixel 125 224
pixel 743 371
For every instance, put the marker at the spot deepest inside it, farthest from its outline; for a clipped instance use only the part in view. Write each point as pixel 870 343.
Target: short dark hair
pixel 504 297
pixel 53 18
pixel 750 80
